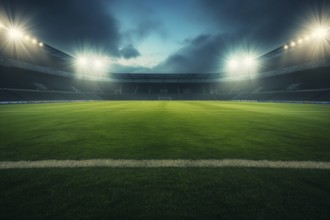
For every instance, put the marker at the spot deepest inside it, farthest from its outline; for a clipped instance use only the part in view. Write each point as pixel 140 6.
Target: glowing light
pixel 241 66
pixel 27 37
pixel 249 61
pixel 41 44
pixel 286 47
pixel 15 34
pixel 82 61
pixel 293 44
pixel 307 38
pixel 91 63
pixel 320 33
pixel 233 64
pixel 34 41
pixel 300 41
pixel 98 64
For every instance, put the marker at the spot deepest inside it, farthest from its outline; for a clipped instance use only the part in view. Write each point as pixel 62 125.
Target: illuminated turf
pixel 165 130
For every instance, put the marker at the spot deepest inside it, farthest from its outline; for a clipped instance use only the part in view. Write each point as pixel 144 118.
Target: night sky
pixel 166 36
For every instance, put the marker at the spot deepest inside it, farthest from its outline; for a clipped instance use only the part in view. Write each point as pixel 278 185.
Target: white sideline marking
pixel 163 164
pixel 167 110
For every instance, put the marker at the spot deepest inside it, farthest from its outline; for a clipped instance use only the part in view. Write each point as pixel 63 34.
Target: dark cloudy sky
pixel 168 36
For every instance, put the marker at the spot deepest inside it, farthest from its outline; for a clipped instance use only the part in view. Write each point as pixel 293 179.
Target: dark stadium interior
pixel 48 74
pixel 308 85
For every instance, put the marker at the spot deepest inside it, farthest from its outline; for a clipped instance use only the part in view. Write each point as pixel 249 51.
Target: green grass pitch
pixel 165 130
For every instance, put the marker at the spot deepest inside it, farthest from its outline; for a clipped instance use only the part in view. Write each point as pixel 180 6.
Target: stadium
pixel 91 135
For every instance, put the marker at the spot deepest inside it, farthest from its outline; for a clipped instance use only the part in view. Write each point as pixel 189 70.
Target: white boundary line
pixel 165 110
pixel 163 164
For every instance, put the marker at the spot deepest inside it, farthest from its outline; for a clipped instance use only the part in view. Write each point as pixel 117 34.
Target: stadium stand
pixel 17 84
pixel 41 72
pixel 47 74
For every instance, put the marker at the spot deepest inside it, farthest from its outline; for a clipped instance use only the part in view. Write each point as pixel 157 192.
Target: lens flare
pixel 233 64
pixel 15 34
pixel 82 61
pixel 320 33
pixel 242 66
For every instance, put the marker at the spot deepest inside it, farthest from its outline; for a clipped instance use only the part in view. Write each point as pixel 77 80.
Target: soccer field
pixel 165 130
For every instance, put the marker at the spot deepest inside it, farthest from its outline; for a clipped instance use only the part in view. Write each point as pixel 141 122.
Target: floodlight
pixel 233 64
pixel 242 65
pixel 98 63
pixel 15 34
pixel 320 33
pixel 249 61
pixel 82 61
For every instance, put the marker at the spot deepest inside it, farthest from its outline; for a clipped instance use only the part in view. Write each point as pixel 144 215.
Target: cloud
pixel 228 23
pixel 117 68
pixel 200 55
pixel 269 22
pixel 241 25
pixel 139 20
pixel 143 29
pixel 129 52
pixel 68 23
